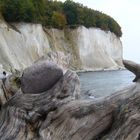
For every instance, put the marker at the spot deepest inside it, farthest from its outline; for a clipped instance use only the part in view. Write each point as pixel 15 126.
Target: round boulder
pixel 40 77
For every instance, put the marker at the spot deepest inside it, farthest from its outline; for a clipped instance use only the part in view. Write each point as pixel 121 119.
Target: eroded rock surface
pixel 78 49
pixel 40 77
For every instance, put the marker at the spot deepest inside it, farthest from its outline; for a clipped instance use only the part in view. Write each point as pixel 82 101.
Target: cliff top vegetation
pixel 57 14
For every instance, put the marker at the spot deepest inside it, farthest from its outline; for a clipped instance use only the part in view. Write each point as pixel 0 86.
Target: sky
pixel 127 14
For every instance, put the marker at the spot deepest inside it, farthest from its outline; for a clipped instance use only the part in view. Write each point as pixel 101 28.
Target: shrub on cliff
pixel 23 10
pixel 58 20
pixel 78 14
pixel 57 14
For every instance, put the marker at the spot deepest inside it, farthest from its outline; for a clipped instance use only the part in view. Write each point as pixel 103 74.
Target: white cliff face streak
pixel 98 49
pixel 79 49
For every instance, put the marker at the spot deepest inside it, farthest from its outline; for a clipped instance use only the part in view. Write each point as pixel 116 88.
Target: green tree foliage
pixel 58 20
pixel 70 10
pixel 57 14
pixel 17 10
pixel 39 10
pixel 26 11
pixel 23 10
pixel 50 8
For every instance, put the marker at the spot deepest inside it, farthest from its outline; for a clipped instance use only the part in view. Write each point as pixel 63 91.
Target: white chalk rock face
pixel 21 45
pixel 98 49
pixel 78 49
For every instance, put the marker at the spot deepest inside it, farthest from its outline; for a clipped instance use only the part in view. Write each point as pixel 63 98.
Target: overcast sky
pixel 127 14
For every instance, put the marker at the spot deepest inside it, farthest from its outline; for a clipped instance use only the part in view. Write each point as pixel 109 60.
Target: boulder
pixel 40 77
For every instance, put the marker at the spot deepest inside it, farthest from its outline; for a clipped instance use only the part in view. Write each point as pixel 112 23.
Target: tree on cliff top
pixel 57 14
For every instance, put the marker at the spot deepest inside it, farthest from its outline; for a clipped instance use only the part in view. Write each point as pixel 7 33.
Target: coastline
pixel 99 70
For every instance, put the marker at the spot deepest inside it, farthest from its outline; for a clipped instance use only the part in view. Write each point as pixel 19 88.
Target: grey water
pixel 104 83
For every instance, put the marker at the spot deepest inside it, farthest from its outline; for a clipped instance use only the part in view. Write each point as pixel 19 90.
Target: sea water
pixel 104 83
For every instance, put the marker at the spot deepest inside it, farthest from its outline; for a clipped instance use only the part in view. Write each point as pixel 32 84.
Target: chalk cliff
pixel 78 49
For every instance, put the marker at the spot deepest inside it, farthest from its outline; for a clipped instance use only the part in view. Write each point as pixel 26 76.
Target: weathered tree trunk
pixel 60 114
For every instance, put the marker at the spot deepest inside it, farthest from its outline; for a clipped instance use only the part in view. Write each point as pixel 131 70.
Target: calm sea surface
pixel 99 84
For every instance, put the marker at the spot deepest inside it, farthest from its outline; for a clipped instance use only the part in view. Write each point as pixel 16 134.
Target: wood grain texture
pixel 133 67
pixel 60 113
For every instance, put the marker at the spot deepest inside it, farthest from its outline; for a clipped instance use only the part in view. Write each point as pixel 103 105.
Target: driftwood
pixel 60 114
pixel 133 67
